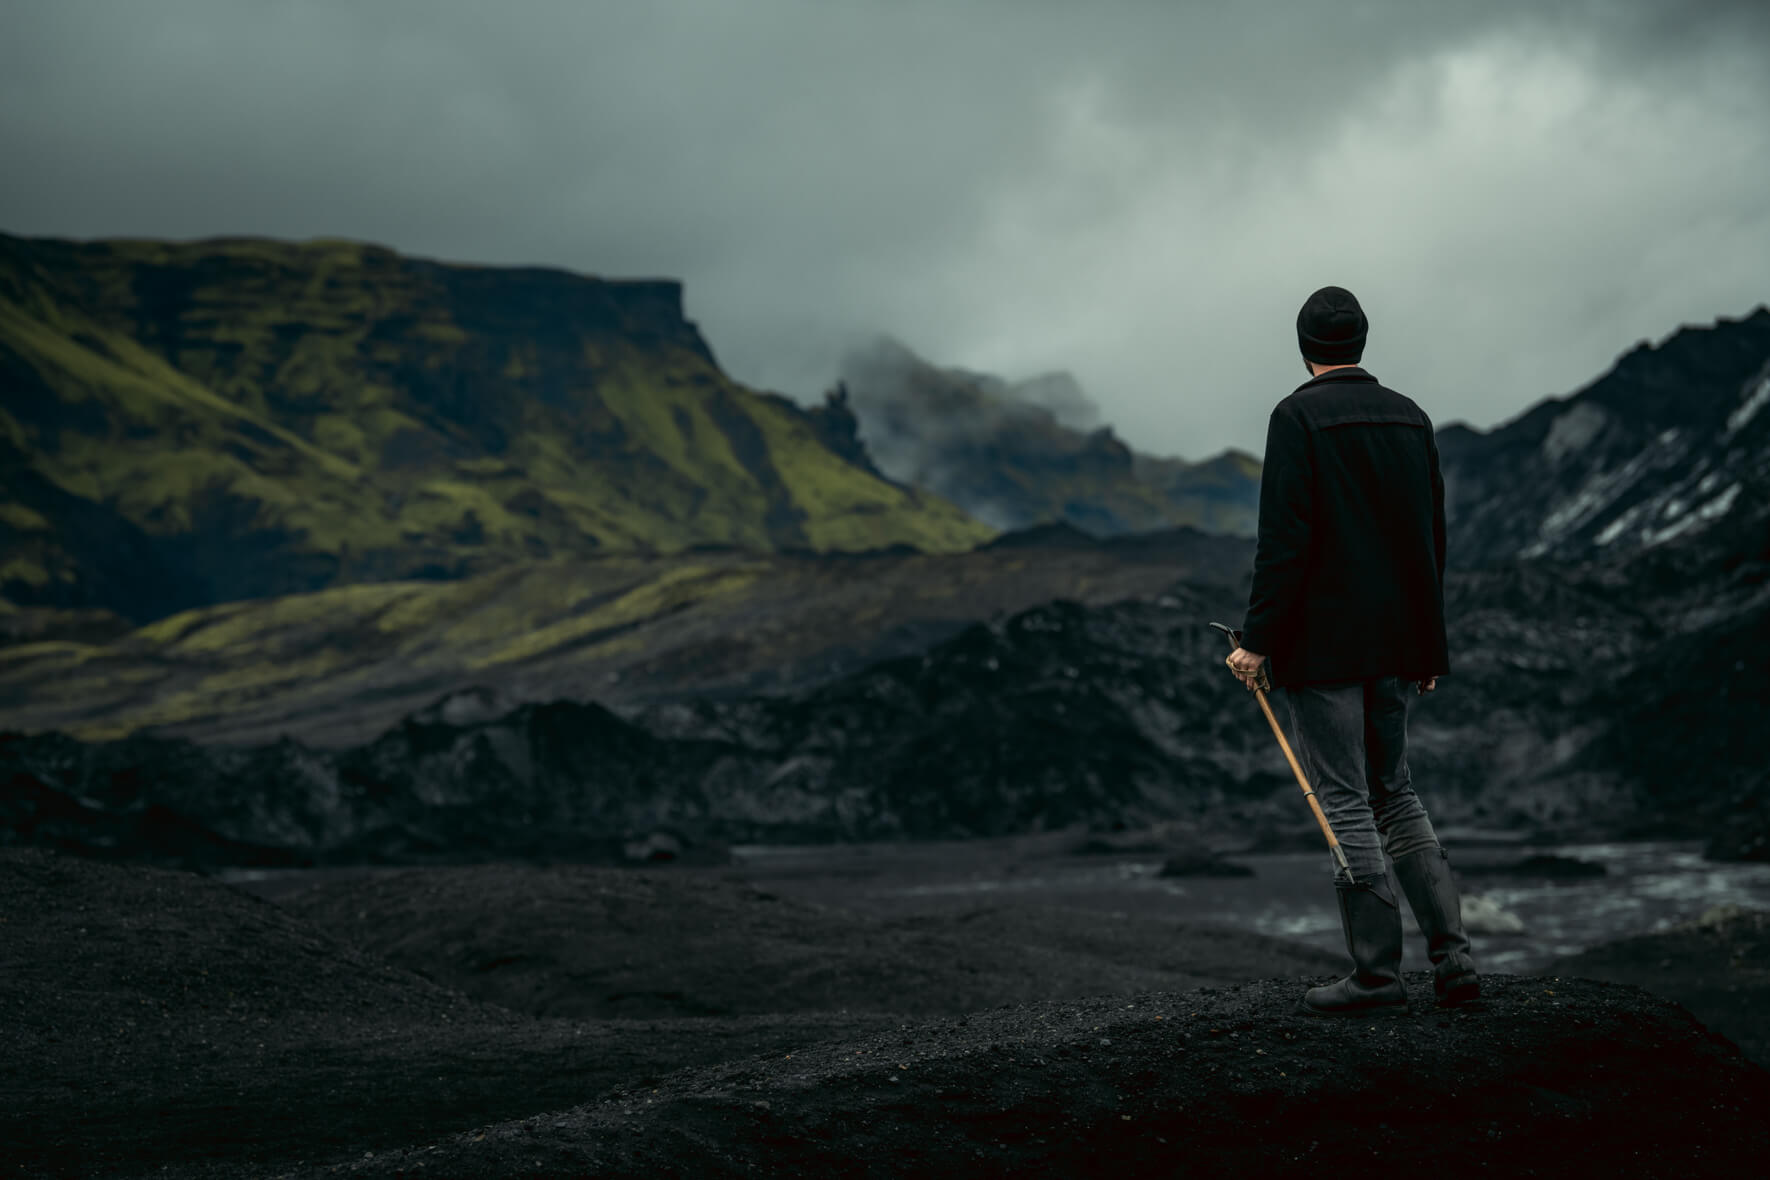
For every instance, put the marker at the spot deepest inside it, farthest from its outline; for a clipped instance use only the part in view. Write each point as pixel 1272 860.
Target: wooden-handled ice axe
pixel 1260 687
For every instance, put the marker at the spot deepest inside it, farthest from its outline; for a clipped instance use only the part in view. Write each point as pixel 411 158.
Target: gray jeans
pixel 1351 740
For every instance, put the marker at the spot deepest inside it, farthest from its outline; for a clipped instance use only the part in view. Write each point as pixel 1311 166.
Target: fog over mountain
pixel 1014 454
pixel 1137 193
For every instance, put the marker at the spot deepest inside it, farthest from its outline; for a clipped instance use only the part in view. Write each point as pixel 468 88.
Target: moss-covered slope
pixel 337 666
pixel 188 424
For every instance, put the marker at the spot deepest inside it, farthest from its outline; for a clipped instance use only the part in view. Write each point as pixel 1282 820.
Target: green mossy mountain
pixel 184 424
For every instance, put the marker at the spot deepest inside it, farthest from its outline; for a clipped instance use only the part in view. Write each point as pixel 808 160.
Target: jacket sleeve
pixel 1281 554
pixel 1438 529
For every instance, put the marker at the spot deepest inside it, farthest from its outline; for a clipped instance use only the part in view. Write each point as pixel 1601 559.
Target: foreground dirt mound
pixel 1717 966
pixel 158 1023
pixel 177 950
pixel 1215 1083
pixel 586 942
pixel 152 1018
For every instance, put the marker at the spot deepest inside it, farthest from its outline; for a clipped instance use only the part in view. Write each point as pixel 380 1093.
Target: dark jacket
pixel 1349 568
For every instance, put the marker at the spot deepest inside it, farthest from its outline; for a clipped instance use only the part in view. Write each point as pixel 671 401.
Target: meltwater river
pixel 1645 887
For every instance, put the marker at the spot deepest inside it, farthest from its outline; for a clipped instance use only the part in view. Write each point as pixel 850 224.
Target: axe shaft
pixel 1296 768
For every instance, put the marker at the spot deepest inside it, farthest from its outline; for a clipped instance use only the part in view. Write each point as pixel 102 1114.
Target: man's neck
pixel 1317 370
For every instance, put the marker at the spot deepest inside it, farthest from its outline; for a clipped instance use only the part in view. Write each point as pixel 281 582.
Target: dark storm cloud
pixel 1139 193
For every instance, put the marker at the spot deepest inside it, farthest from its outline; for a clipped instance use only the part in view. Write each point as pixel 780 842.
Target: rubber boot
pixel 1372 919
pixel 1425 879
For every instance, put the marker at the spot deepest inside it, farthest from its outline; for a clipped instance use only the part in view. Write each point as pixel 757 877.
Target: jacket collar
pixel 1355 373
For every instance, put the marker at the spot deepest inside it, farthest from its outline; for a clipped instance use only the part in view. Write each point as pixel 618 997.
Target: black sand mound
pixel 152 1018
pixel 160 1023
pixel 1215 1083
pixel 1717 966
pixel 587 942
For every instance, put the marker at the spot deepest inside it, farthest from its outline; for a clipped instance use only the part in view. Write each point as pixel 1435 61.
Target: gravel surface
pixel 1226 1082
pixel 569 940
pixel 1717 966
pixel 152 1018
pixel 511 1020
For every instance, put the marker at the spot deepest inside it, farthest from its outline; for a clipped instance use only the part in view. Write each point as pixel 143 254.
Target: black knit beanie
pixel 1331 327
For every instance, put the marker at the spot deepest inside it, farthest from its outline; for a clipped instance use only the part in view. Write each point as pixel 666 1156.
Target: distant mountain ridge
pixel 1674 440
pixel 183 424
pixel 1019 454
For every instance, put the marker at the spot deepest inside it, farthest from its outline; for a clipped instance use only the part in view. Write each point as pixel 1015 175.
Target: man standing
pixel 1347 614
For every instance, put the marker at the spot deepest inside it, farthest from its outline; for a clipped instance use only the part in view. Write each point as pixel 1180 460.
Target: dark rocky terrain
pixel 1577 698
pixel 535 1021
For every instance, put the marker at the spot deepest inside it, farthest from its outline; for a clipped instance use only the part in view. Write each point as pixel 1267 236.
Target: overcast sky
pixel 1140 193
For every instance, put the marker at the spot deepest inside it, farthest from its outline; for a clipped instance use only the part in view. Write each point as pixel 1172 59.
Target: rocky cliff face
pixel 187 424
pixel 1021 454
pixel 1651 489
pixel 1673 442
